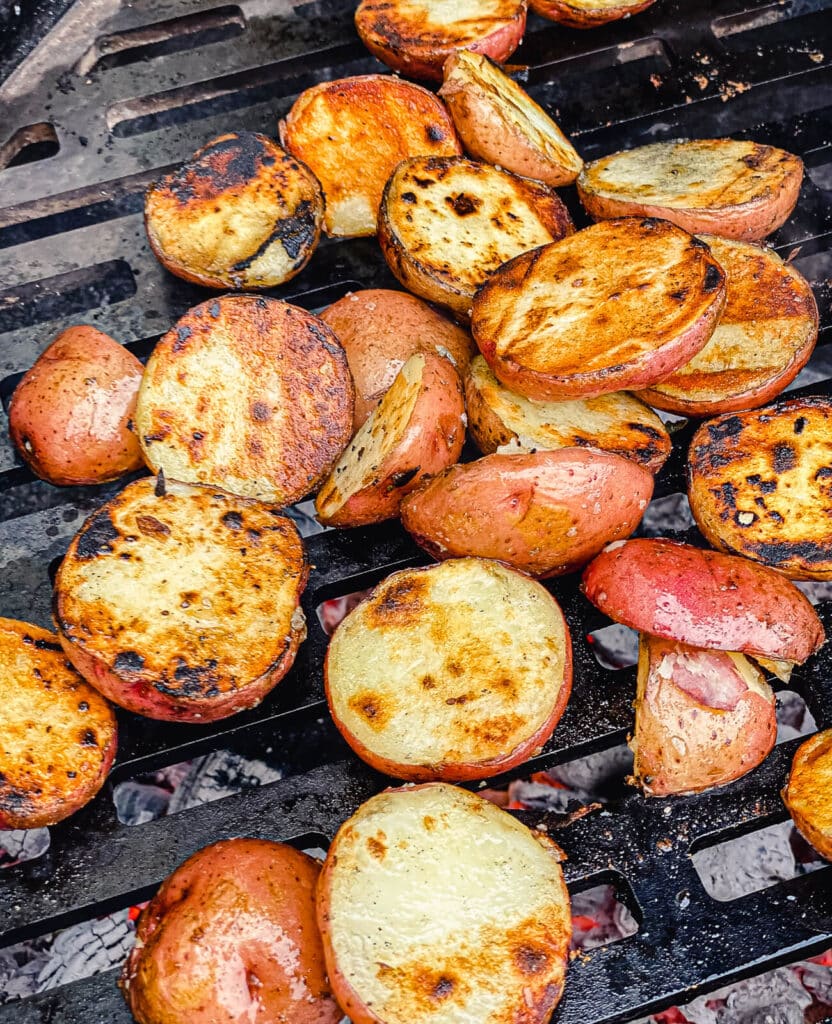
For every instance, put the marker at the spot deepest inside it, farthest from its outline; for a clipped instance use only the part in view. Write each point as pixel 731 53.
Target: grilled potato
pixel 618 305
pixel 764 337
pixel 71 415
pixel 546 514
pixel 417 430
pixel 180 602
pixel 808 794
pixel 58 736
pixel 454 672
pixel 704 599
pixel 380 330
pixel 240 213
pixel 760 485
pixel 588 13
pixel 436 906
pixel 741 190
pixel 416 37
pixel 249 394
pixel 446 224
pixel 703 718
pixel 231 936
pixel 617 423
pixel 500 123
pixel 354 131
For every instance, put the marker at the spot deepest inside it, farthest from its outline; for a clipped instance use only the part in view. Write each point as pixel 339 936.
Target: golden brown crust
pixel 588 13
pixel 808 793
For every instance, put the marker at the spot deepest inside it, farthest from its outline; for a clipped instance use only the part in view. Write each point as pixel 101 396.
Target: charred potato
pixel 808 794
pixel 588 13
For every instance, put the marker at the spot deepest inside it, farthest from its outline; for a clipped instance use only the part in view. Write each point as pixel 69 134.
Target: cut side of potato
pixel 808 794
pixel 500 123
pixel 457 671
pixel 354 131
pixel 618 305
pixel 58 736
pixel 438 907
pixel 741 190
pixel 760 485
pixel 588 13
pixel 182 603
pixel 417 429
pixel 447 223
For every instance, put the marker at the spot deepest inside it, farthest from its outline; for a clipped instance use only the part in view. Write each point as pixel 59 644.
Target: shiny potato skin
pixel 58 733
pixel 71 415
pixel 241 213
pixel 231 938
pixel 808 793
pixel 588 13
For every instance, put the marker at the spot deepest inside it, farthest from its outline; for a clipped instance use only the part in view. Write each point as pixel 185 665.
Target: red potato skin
pixel 565 14
pixel 703 598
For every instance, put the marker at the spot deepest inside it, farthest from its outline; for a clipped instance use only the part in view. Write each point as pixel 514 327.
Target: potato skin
pixel 808 793
pixel 231 938
pixel 583 15
pixel 70 416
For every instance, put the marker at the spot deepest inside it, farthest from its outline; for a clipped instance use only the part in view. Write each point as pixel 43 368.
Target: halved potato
pixel 703 718
pixel 760 485
pixel 249 394
pixel 354 131
pixel 734 189
pixel 617 423
pixel 546 513
pixel 618 305
pixel 500 123
pixel 588 13
pixel 180 602
pixel 447 223
pixel 808 793
pixel 454 672
pixel 764 337
pixel 416 37
pixel 241 213
pixel 58 734
pixel 438 907
pixel 417 429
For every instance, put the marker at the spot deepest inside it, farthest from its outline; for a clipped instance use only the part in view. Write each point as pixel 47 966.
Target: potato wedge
pixel 760 485
pixel 500 123
pixel 380 329
pixel 453 672
pixel 588 13
pixel 764 337
pixel 182 603
pixel 417 429
pixel 58 733
pixel 618 305
pixel 703 718
pixel 617 423
pixel 808 793
pixel 249 394
pixel 546 514
pixel 241 213
pixel 436 906
pixel 447 223
pixel 703 599
pixel 354 131
pixel 416 37
pixel 741 190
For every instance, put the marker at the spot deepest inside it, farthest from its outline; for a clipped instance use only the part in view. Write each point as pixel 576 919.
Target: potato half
pixel 454 672
pixel 808 793
pixel 436 906
pixel 588 13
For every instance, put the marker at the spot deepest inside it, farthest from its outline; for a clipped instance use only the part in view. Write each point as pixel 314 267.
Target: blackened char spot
pixel 128 661
pixel 823 473
pixel 182 335
pixel 728 493
pixel 697 243
pixel 233 520
pixel 778 552
pixel 644 428
pixel 784 458
pixel 434 133
pixel 403 478
pixel 295 233
pixel 800 424
pixel 408 197
pixel 726 428
pixel 98 538
pixel 324 338
pixel 47 645
pixel 463 204
pixel 14 800
pixel 261 412
pixel 713 278
pixel 89 739
pixel 195 679
pixel 231 161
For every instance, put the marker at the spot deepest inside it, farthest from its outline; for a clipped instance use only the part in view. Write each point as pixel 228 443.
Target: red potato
pixel 808 793
pixel 546 513
pixel 588 13
pixel 71 415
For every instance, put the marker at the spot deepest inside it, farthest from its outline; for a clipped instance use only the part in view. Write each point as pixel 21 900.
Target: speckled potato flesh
pixel 181 602
pixel 231 938
pixel 454 672
pixel 588 13
pixel 57 736
pixel 249 394
pixel 808 794
pixel 241 213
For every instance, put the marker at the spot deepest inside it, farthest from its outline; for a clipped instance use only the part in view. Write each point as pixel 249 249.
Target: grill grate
pixel 125 91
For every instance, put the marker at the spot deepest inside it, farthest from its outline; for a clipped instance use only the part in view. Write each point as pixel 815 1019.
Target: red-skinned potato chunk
pixel 231 938
pixel 703 718
pixel 588 13
pixel 808 793
pixel 438 907
pixel 71 414
pixel 546 513
pixel 417 429
pixel 704 599
pixel 453 672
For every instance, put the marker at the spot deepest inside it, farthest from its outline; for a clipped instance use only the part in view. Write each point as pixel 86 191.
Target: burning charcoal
pixel 774 998
pixel 23 844
pixel 748 863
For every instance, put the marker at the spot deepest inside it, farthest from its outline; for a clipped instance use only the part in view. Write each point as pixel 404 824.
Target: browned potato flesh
pixel 588 13
pixel 808 794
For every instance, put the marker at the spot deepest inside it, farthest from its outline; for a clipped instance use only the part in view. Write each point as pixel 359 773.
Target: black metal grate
pixel 127 90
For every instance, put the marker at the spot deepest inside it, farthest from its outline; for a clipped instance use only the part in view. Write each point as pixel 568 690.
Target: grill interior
pixel 117 93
